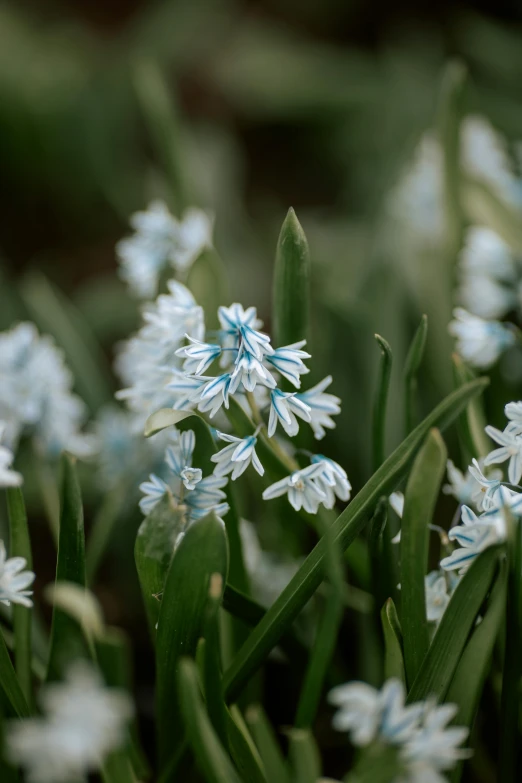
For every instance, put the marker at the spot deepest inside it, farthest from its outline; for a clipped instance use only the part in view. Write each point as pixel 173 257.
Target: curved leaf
pixel 291 286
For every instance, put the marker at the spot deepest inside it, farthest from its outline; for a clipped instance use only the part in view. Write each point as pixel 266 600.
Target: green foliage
pixel 291 283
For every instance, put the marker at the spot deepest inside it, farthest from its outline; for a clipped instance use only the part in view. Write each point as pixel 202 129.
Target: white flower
pixel 236 457
pixel 513 411
pixel 191 477
pixel 215 394
pixel 154 490
pixel 207 496
pixel 241 328
pixel 284 407
pixel 249 371
pixel 83 722
pixel 510 441
pixel 474 535
pixel 179 455
pixel 333 480
pixel 14 581
pixel 8 477
pixel 396 501
pixel 485 156
pixel 479 342
pixel 198 356
pixel 322 407
pixel 486 497
pixel 437 598
pixel 288 361
pixel 435 746
pixel 462 487
pixel 301 488
pixel 487 271
pixel 159 240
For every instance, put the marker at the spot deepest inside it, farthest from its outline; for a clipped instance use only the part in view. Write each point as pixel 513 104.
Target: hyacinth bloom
pixel 489 487
pixel 284 407
pixel 82 722
pixel 479 342
pixel 198 355
pixel 463 487
pixel 288 361
pixel 333 480
pixel 14 581
pixel 322 405
pixel 513 411
pixel 302 490
pixel 236 457
pixel 486 266
pixel 474 535
pixel 510 441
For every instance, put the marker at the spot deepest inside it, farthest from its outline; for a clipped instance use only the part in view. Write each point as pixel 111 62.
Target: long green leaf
pixel 9 683
pixel 291 287
pixel 393 656
pixel 450 639
pixel 345 529
pixel 201 553
pixel 380 402
pixel 212 667
pixel 243 749
pixel 467 684
pixel 411 368
pixel 20 546
pixel 67 642
pixel 267 744
pixel 209 754
pixel 420 497
pixel 304 756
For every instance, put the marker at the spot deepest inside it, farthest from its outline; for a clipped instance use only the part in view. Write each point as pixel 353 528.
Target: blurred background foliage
pixel 242 108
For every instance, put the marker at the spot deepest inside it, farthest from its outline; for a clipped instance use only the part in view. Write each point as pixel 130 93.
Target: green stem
pixel 381 398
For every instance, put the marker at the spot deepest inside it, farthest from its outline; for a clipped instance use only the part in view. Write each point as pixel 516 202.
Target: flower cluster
pixel 14 581
pixel 36 394
pixel 8 477
pixel 83 721
pixel 160 241
pixel 425 745
pixel 186 485
pixel 318 484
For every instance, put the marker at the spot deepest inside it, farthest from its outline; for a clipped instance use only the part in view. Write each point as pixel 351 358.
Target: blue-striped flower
pixel 236 457
pixel 207 496
pixel 333 480
pixel 14 581
pixel 288 361
pixel 489 487
pixel 215 394
pixel 191 477
pixel 198 355
pixel 474 535
pixel 153 489
pixel 284 407
pixel 179 455
pixel 302 489
pixel 479 342
pixel 322 407
pixel 249 371
pixel 510 441
pixel 242 329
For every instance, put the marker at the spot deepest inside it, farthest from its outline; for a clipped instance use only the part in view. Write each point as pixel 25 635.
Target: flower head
pixel 474 535
pixel 333 480
pixel 479 342
pixel 302 489
pixel 489 487
pixel 284 407
pixel 322 407
pixel 236 457
pixel 8 477
pixel 288 361
pixel 463 487
pixel 510 441
pixel 437 598
pixel 14 581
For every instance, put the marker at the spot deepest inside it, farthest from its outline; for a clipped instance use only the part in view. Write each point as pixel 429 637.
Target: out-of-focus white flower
pixel 8 477
pixel 485 156
pixel 474 535
pixel 434 747
pixel 236 457
pixel 396 501
pixel 14 581
pixel 284 407
pixel 462 487
pixel 322 405
pixel 36 394
pixel 437 598
pixel 83 721
pixel 159 240
pixel 302 489
pixel 513 411
pixel 153 489
pixel 191 477
pixel 479 342
pixel 333 480
pixel 510 441
pixel 487 274
pixel 268 573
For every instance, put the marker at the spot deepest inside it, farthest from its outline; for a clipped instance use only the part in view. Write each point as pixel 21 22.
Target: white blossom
pixel 322 405
pixel 513 411
pixel 489 486
pixel 435 747
pixel 474 535
pixel 236 457
pixel 161 240
pixel 288 361
pixel 463 487
pixel 510 441
pixel 333 480
pixel 14 581
pixel 302 489
pixel 284 407
pixel 485 156
pixel 8 477
pixel 479 342
pixel 437 598
pixel 153 489
pixel 198 355
pixel 191 477
pixel 82 722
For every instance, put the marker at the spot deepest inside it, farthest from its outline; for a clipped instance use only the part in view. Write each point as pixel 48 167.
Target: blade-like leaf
pixel 420 497
pixel 346 527
pixel 201 553
pixel 243 750
pixel 9 683
pixel 20 546
pixel 209 754
pixel 411 368
pixel 450 639
pixel 393 657
pixel 304 756
pixel 67 642
pixel 212 667
pixel 380 402
pixel 291 287
pixel 267 745
pixel 472 421
pixel 165 417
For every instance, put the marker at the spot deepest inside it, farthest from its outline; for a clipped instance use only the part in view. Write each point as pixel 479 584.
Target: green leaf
pixel 380 402
pixel 291 286
pixel 450 639
pixel 393 657
pixel 54 314
pixel 212 669
pixel 161 116
pixel 80 604
pixel 20 546
pixel 102 529
pixel 304 756
pixel 466 686
pixel 67 642
pixel 153 552
pixel 420 497
pixel 472 421
pixel 411 368
pixel 9 683
pixel 201 553
pixel 267 745
pixel 165 417
pixel 243 750
pixel 382 558
pixel 209 754
pixel 345 529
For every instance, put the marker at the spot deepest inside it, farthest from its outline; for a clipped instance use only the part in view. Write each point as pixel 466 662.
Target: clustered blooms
pixel 185 485
pixel 82 722
pixel 14 581
pixel 160 241
pixel 318 484
pixel 8 477
pixel 425 745
pixel 36 394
